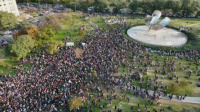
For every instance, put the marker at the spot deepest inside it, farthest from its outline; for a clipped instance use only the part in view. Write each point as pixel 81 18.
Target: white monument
pixel 9 6
pixel 157 34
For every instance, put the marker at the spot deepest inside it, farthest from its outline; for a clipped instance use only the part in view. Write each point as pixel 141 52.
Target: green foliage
pixel 173 88
pixel 94 73
pixel 47 34
pixel 7 20
pixel 190 7
pixel 183 83
pixel 82 32
pixel 53 47
pixel 100 5
pixel 20 47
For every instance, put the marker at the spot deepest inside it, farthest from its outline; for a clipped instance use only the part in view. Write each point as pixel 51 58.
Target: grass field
pixel 71 27
pixel 191 89
pixel 6 61
pixel 134 101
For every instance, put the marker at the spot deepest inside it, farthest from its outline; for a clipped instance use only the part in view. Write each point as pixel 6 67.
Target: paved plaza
pixel 163 37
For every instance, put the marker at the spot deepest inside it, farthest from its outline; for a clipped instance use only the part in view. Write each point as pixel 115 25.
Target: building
pixel 9 6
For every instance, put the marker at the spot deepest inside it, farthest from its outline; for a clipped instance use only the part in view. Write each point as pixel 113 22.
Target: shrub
pixel 173 88
pixel 183 83
pixel 2 62
pixel 75 103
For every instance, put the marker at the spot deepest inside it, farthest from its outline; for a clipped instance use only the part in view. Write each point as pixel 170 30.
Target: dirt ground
pixel 79 52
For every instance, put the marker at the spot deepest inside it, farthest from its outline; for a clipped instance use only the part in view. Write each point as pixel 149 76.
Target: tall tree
pixel 20 47
pixel 47 34
pixel 100 5
pixel 30 30
pixel 7 20
pixel 190 7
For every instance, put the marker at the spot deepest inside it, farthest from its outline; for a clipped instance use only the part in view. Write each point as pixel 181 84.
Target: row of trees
pixel 186 7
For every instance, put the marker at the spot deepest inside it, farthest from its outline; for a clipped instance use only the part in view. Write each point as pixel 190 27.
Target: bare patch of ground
pixel 79 52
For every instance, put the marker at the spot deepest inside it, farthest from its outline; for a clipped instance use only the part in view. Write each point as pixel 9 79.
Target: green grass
pixel 71 28
pixel 190 90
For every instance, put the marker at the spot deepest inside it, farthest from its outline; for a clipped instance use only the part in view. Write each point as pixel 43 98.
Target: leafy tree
pixel 174 5
pixel 30 30
pixel 190 7
pixel 47 34
pixel 94 73
pixel 134 5
pixel 173 88
pixel 20 47
pixel 75 103
pixel 75 6
pixel 7 20
pixel 100 5
pixel 53 47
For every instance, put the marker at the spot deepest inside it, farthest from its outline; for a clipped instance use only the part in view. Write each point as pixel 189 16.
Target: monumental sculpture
pixel 155 32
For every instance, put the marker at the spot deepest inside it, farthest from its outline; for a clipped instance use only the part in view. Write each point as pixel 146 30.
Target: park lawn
pixel 99 21
pixel 133 101
pixel 135 21
pixel 71 26
pixel 190 89
pixel 6 61
pixel 184 22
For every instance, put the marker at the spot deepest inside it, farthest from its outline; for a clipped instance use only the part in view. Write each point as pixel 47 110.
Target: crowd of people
pixel 55 79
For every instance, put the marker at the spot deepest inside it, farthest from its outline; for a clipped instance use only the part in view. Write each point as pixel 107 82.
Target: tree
pixel 47 34
pixel 20 47
pixel 7 20
pixel 100 5
pixel 75 103
pixel 134 5
pixel 173 88
pixel 30 30
pixel 94 73
pixel 51 21
pixel 53 47
pixel 174 5
pixel 190 7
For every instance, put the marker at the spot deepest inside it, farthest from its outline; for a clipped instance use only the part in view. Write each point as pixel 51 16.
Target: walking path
pixel 95 25
pixel 174 98
pixel 186 100
pixel 192 25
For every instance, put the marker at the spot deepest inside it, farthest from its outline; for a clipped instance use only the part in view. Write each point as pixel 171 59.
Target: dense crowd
pixel 54 79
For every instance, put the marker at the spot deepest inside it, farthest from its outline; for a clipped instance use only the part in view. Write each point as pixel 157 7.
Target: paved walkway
pixel 95 25
pixel 192 25
pixel 186 100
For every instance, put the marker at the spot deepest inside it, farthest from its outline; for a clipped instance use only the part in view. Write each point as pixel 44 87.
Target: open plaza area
pixel 164 37
pixel 100 56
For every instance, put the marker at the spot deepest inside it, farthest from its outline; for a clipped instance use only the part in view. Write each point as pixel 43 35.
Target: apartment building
pixel 9 6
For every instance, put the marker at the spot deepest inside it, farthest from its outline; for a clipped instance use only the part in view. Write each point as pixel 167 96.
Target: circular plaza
pixel 163 37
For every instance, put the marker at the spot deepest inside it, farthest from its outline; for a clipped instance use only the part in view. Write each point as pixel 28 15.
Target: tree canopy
pixel 20 47
pixel 7 20
pixel 47 34
pixel 186 7
pixel 53 47
pixel 30 30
